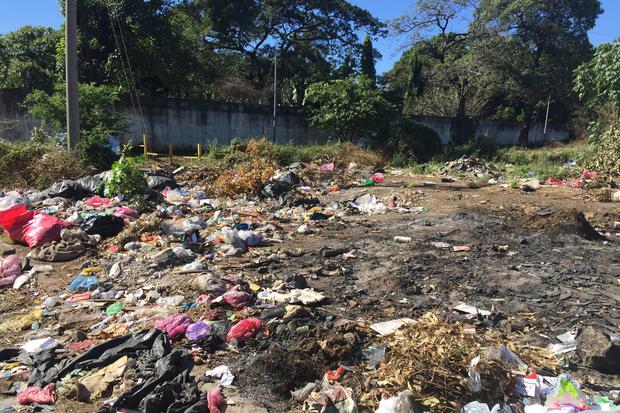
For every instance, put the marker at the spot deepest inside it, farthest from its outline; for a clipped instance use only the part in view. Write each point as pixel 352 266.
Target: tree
pixel 367 60
pixel 96 108
pixel 432 18
pixel 98 118
pixel 258 29
pixel 536 45
pixel 351 108
pixel 597 82
pixel 414 80
pixel 28 58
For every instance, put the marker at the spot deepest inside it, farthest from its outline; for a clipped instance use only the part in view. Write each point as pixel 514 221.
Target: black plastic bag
pixel 67 189
pixel 104 225
pixel 159 182
pixel 46 370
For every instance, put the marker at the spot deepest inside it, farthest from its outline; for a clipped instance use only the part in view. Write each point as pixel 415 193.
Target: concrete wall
pixel 503 132
pixel 185 123
pixel 15 123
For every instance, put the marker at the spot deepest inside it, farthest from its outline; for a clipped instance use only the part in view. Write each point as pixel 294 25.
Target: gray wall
pixel 503 132
pixel 15 123
pixel 185 123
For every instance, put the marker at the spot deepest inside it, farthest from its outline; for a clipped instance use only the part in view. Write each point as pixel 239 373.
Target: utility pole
pixel 275 94
pixel 71 74
pixel 547 118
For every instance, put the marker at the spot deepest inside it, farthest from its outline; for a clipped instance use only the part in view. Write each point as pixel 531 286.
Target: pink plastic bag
pixel 589 174
pixel 42 229
pixel 237 299
pixel 378 178
pixel 10 268
pixel 328 167
pixel 126 212
pixel 215 401
pixel 244 330
pixel 174 325
pixel 45 395
pixel 98 202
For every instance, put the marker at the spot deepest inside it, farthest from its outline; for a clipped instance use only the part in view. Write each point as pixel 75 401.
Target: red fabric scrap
pixel 332 375
pixel 45 395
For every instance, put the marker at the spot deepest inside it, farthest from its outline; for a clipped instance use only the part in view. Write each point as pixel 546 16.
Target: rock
pixel 597 351
pixel 274 312
pixel 6 249
pixel 209 284
pixel 297 281
pixel 162 257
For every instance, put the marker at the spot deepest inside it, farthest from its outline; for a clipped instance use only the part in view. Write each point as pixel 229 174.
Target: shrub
pixel 38 164
pixel 125 178
pixel 606 154
pixel 350 108
pixel 410 142
pixel 98 119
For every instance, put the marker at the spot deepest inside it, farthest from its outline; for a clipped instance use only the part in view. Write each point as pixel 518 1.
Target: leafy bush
pixel 606 154
pixel 410 142
pixel 98 119
pixel 125 178
pixel 350 108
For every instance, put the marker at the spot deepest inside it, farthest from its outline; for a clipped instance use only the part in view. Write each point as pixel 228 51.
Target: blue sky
pixel 47 13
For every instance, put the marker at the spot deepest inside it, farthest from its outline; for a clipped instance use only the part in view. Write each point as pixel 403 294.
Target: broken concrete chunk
pixel 597 351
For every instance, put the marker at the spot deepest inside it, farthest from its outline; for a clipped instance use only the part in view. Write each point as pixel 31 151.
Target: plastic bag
pixel 10 268
pixel 126 212
pixel 42 229
pixel 174 325
pixel 244 330
pixel 98 202
pixel 197 331
pixel 368 204
pixel 45 395
pixel 403 403
pixel 31 227
pixel 104 225
pixel 378 178
pixel 237 299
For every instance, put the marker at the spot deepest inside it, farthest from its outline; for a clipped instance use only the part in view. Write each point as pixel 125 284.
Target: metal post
pixel 547 118
pixel 71 74
pixel 275 95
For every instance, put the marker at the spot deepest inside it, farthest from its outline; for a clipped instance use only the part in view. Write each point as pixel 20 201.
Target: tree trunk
pixel 459 124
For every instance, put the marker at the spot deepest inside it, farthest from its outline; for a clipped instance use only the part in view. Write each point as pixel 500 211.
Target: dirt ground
pixel 535 261
pixel 550 279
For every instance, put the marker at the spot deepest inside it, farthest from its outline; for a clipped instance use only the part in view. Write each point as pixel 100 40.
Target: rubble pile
pixel 467 166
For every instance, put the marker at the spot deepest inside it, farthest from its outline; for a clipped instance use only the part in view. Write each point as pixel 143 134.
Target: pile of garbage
pixel 467 166
pixel 152 307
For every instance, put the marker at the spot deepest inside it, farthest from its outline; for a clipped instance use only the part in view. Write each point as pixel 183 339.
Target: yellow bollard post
pixel 199 151
pixel 170 152
pixel 145 144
